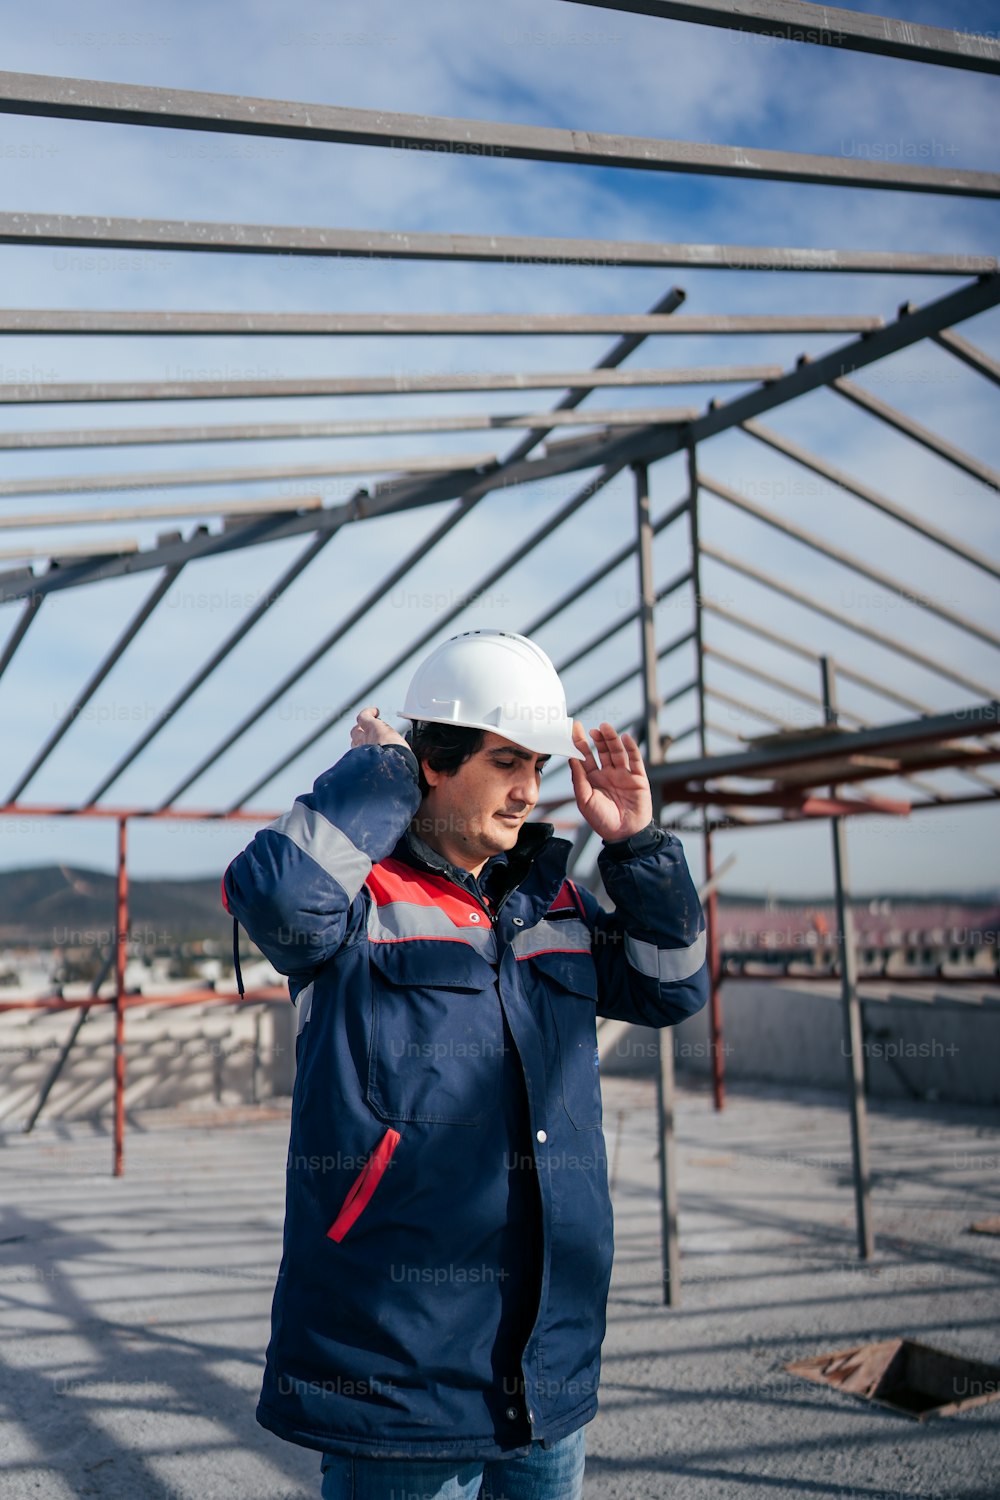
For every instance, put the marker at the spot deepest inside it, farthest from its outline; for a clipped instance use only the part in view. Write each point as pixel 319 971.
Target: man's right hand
pixel 371 730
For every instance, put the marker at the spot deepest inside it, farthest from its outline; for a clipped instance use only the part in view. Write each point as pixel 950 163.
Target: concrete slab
pixel 133 1313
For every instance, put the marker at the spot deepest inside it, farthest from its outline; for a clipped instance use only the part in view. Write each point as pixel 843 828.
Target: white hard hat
pixel 498 681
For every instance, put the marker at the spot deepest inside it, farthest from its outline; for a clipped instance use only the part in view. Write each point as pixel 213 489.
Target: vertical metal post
pixel 671 1260
pixel 121 954
pixel 711 904
pixel 851 1007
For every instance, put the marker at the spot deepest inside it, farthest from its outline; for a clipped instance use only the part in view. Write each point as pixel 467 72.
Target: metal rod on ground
pixel 68 1045
pixel 671 1258
pixel 849 994
pixel 711 903
pixel 121 953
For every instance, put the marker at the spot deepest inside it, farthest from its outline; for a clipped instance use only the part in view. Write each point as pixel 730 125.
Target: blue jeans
pixel 554 1473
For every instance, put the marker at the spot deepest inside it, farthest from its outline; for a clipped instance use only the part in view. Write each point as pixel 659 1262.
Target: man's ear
pixel 431 776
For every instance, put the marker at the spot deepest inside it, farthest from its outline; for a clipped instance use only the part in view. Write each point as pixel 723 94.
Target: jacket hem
pixel 485 1447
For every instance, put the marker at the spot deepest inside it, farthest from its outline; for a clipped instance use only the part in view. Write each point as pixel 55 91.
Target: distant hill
pixel 858 898
pixel 65 906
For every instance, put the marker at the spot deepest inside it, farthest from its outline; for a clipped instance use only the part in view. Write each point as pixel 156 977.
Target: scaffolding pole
pixel 671 1260
pixel 711 902
pixel 121 954
pixel 851 1004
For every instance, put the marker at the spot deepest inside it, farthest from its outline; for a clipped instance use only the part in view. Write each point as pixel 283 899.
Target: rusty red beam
pixel 190 815
pixel 802 801
pixel 185 997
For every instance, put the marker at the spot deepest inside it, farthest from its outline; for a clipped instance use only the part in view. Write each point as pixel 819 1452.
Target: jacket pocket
pixel 364 1186
pixel 436 1043
pixel 569 983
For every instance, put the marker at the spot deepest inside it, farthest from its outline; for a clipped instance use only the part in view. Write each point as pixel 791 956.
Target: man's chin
pixel 506 832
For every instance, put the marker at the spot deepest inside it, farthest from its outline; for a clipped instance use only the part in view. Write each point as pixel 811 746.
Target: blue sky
pixel 564 65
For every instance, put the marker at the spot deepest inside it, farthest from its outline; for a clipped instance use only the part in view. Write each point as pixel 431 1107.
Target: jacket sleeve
pixel 650 952
pixel 293 886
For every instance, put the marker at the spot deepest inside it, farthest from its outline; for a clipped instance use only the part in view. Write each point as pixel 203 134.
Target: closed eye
pixel 508 765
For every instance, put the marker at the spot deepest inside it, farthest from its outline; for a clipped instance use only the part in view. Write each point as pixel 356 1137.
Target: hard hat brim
pixel 549 739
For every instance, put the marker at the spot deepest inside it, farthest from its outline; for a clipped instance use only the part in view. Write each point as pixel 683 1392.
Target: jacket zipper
pixel 367 1181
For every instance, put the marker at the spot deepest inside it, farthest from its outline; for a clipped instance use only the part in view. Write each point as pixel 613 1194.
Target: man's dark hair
pixel 443 746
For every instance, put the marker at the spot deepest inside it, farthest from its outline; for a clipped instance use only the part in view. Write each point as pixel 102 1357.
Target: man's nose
pixel 525 789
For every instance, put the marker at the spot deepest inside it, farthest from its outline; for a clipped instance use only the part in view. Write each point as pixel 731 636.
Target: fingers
pixel 583 745
pixel 610 747
pixel 635 761
pixel 362 732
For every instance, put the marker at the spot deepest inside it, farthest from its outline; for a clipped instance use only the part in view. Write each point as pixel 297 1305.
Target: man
pixel 440 1306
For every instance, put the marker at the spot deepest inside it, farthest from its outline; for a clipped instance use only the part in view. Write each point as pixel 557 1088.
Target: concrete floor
pixel 133 1314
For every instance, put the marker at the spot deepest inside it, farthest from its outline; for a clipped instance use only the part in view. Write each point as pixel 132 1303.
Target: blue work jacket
pixel 448 1229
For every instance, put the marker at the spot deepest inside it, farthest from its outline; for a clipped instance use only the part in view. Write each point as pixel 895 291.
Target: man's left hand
pixel 612 794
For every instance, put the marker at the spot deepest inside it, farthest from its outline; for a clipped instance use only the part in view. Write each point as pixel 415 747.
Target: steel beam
pixel 32 605
pixel 383 499
pixel 150 479
pixel 850 674
pixel 619 352
pixel 92 231
pixel 715 1017
pixel 901 648
pixel 665 1091
pixel 611 628
pixel 614 560
pixel 871 497
pixel 52 393
pixel 825 26
pixel 617 682
pixel 849 998
pixel 87 692
pixel 977 359
pixel 363 694
pixel 848 560
pixel 809 375
pixel 273 594
pixel 67 1047
pixel 121 959
pixel 274 505
pixel 976 720
pixel 141 437
pixel 749 670
pixel 174 109
pixel 106 551
pixel 648 443
pixel 906 425
pixel 944 760
pixel 261 324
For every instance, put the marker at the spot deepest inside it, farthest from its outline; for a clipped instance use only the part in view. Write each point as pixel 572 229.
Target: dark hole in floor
pixel 905 1376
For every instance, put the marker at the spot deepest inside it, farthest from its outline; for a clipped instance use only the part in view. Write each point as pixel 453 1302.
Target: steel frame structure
pixel 796 777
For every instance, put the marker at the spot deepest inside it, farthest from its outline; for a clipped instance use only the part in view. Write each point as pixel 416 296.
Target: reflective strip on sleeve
pixel 552 937
pixel 303 1006
pixel 668 965
pixel 326 844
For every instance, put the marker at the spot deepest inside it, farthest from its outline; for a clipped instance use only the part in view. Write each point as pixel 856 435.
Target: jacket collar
pixel 534 868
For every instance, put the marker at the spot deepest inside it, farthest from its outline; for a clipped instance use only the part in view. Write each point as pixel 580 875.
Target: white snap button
pixel 541 1136
pixel 518 921
pixel 474 916
pixel 511 1413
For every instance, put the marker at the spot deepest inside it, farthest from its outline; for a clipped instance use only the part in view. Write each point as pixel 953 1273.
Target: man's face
pixel 478 811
